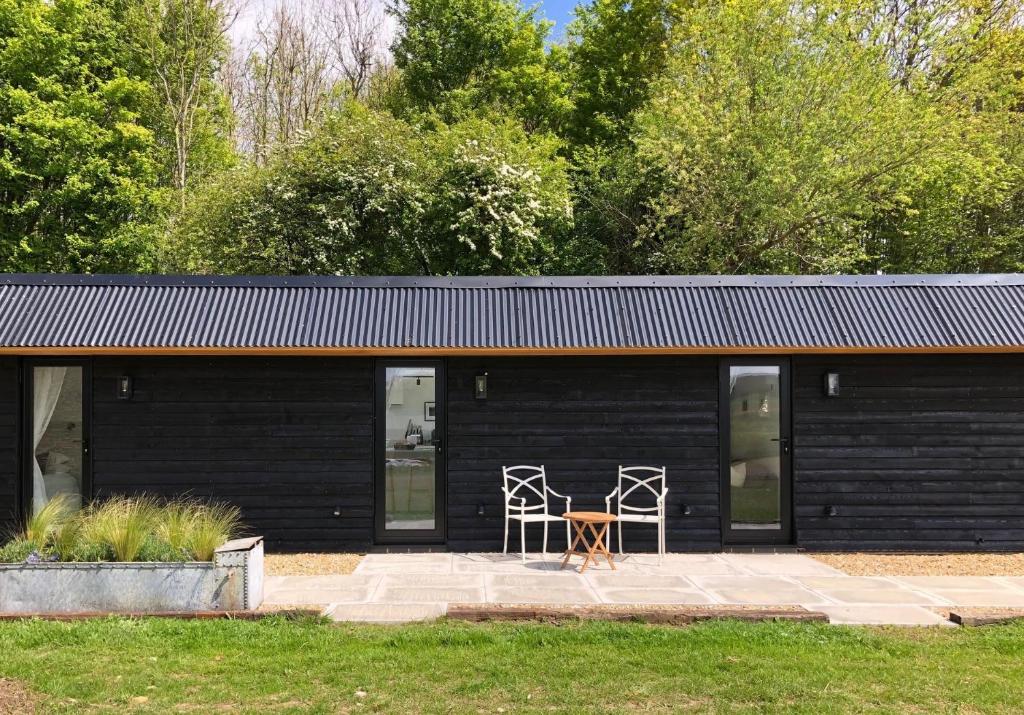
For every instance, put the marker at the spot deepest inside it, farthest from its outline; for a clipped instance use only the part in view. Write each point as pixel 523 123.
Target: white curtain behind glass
pixel 47 383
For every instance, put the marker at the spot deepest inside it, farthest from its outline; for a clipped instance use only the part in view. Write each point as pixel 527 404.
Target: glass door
pixel 56 435
pixel 756 464
pixel 409 431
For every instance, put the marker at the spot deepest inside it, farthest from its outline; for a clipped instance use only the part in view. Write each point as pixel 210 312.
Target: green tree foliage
pixel 78 181
pixel 783 133
pixel 372 194
pixel 457 56
pixel 616 49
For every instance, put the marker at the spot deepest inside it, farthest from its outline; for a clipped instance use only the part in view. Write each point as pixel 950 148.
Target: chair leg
pixel 504 549
pixel 568 536
pixel 618 526
pixel 544 546
pixel 661 541
pixel 522 538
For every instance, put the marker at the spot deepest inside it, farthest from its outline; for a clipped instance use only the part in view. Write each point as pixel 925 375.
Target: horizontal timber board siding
pixel 10 406
pixel 286 439
pixel 581 417
pixel 916 453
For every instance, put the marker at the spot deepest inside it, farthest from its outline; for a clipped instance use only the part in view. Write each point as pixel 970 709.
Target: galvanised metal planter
pixel 233 581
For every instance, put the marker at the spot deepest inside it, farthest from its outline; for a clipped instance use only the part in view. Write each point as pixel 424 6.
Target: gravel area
pixel 310 564
pixel 953 564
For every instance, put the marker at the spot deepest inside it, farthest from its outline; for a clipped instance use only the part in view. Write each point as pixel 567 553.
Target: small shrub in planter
pixel 122 528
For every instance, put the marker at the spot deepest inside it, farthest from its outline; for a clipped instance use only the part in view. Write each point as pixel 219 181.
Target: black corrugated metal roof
pixel 381 314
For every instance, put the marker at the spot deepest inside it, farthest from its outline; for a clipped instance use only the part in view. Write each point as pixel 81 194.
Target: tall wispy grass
pixel 128 528
pixel 41 525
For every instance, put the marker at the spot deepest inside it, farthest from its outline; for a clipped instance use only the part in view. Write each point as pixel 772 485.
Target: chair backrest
pixel 526 482
pixel 641 484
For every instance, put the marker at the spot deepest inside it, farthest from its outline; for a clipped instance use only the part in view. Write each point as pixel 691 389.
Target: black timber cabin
pixel 817 412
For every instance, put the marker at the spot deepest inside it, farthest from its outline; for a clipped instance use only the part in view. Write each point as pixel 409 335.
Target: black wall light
pixel 480 387
pixel 480 511
pixel 685 510
pixel 831 511
pixel 124 387
pixel 831 384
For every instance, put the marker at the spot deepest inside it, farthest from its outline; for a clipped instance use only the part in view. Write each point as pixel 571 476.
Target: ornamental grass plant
pixel 124 528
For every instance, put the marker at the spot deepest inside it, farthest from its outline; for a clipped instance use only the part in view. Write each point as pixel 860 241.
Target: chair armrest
pixel 608 500
pixel 553 493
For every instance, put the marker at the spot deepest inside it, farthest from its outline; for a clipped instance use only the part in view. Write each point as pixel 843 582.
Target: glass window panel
pixel 755 462
pixel 57 434
pixel 409 471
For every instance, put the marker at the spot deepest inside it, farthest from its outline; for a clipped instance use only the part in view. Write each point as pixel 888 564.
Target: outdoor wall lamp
pixel 480 387
pixel 337 511
pixel 685 510
pixel 124 387
pixel 831 511
pixel 832 384
pixel 480 510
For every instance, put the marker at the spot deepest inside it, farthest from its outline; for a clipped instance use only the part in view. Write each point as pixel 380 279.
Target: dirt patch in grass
pixel 310 564
pixel 953 564
pixel 16 698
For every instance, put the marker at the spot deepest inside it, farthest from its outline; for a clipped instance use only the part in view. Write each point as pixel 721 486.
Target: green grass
pixel 308 666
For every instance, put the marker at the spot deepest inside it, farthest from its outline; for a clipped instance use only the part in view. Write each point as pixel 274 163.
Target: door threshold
pixel 408 549
pixel 758 549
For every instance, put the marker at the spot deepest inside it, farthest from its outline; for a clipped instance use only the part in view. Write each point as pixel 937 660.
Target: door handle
pixel 783 443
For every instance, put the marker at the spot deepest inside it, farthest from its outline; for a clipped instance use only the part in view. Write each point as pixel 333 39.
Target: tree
pixel 372 194
pixel 458 56
pixel 779 133
pixel 616 50
pixel 181 44
pixel 78 165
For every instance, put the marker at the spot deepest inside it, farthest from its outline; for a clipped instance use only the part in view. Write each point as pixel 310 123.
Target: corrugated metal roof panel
pixel 628 313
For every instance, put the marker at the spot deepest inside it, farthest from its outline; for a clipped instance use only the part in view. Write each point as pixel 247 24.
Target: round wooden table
pixel 597 523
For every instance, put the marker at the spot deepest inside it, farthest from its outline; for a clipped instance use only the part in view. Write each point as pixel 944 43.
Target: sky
pixel 558 11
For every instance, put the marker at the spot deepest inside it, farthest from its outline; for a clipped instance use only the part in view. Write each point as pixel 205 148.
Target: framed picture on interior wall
pixel 428 411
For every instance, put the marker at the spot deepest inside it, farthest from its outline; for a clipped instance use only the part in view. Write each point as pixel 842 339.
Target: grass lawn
pixel 307 666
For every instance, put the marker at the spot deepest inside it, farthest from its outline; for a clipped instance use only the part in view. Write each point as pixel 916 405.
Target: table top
pixel 596 517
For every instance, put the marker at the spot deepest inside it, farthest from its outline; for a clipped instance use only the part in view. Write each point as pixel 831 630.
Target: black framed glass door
pixel 56 418
pixel 409 424
pixel 755 422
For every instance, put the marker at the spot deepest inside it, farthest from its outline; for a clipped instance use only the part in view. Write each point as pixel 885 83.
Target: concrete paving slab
pixel 385 612
pixel 968 590
pixel 446 580
pixel 779 565
pixel 405 567
pixel 408 558
pixel 882 615
pixel 316 596
pixel 428 594
pixel 331 581
pixel 868 590
pixel 627 596
pixel 551 580
pixel 756 590
pixel 557 595
pixel 636 580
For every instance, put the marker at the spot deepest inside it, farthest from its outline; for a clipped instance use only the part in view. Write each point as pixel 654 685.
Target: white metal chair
pixel 529 487
pixel 640 482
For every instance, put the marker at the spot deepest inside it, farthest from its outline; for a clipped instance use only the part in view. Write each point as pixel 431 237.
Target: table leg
pixel 572 548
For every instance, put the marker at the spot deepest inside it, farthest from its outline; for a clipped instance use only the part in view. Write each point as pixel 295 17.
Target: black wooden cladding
pixel 287 439
pixel 582 418
pixel 9 435
pixel 917 453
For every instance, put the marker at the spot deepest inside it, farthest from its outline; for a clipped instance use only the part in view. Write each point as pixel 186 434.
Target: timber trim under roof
pixel 211 315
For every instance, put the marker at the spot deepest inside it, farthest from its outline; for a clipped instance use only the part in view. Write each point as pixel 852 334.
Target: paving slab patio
pixel 390 588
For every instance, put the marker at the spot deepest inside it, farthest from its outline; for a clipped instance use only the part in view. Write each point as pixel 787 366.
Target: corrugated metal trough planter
pixel 232 581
